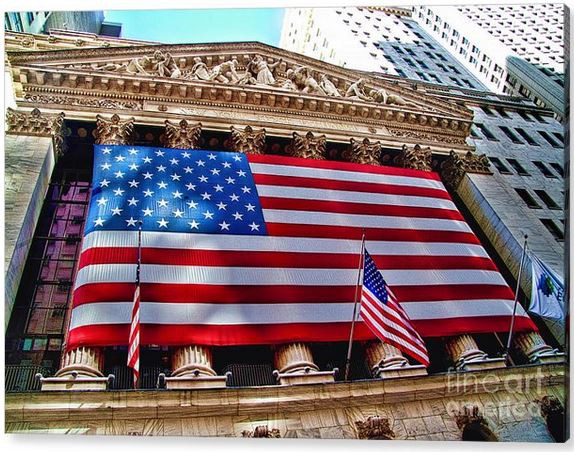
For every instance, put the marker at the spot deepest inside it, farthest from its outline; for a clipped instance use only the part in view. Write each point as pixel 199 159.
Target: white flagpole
pixel 522 258
pixel 361 257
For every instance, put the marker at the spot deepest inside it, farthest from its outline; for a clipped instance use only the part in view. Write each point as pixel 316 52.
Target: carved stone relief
pixel 455 166
pixel 182 135
pixel 363 152
pixel 248 141
pixel 114 131
pixel 308 146
pixel 374 427
pixel 84 101
pixel 261 431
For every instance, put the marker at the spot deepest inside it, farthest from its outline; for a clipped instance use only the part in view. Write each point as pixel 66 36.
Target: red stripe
pixel 389 210
pixel 363 187
pixel 347 232
pixel 343 166
pixel 107 335
pixel 203 293
pixel 274 259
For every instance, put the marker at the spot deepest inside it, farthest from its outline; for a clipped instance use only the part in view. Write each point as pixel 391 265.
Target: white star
pixel 147 193
pixel 194 224
pixel 185 155
pixel 133 183
pixel 106 151
pixel 241 173
pixel 208 215
pixel 147 160
pixel 254 227
pixel 221 206
pixel 177 194
pixel 187 169
pixel 161 168
pixel 162 223
pixel 237 158
pixel 250 207
pixel 200 163
pixel 159 153
pixel 215 172
pixel 230 180
pixel 226 165
pixel 162 203
pixel 104 183
pixel 218 187
pixel 133 201
pixel 106 166
pixel 133 151
pixel 202 179
pixel 174 161
pixel 117 211
pixel 246 189
pixel 98 221
pixel 211 156
pixel 133 167
pixel 131 222
pixel 205 196
pixel 234 197
pixel 118 192
pixel 147 212
pixel 147 175
pixel 175 176
pixel 119 174
pixel 192 204
pixel 190 186
pixel 177 213
pixel 120 158
pixel 238 216
pixel 224 226
pixel 162 184
pixel 102 201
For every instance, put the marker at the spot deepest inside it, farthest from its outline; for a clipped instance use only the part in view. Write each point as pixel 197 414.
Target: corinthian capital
pixel 363 152
pixel 114 130
pixel 247 141
pixel 456 165
pixel 308 146
pixel 182 135
pixel 415 158
pixel 36 123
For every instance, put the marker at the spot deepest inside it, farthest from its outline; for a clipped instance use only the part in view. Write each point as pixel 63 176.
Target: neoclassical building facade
pixel 71 91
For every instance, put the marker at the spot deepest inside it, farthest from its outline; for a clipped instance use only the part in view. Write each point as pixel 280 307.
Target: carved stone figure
pixel 225 72
pixel 308 146
pixel 261 431
pixel 374 427
pixel 383 97
pixel 304 81
pixel 182 135
pixel 363 152
pixel 416 158
pixel 455 166
pixel 357 91
pixel 164 65
pixel 248 141
pixel 114 130
pixel 199 70
pixel 328 86
pixel 261 70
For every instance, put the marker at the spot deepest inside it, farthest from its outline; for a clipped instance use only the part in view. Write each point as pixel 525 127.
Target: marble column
pixel 295 365
pixel 533 347
pixel 387 361
pixel 466 354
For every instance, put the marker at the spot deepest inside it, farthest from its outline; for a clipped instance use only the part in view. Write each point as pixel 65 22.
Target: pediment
pixel 238 72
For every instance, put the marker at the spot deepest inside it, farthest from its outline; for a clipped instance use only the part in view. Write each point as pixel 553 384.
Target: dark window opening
pixel 518 167
pixel 526 137
pixel 558 168
pixel 545 197
pixel 499 165
pixel 544 169
pixel 549 139
pixel 487 133
pixel 510 134
pixel 527 198
pixel 553 229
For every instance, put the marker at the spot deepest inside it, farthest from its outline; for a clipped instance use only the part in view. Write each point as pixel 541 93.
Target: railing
pixel 23 378
pixel 124 377
pixel 250 375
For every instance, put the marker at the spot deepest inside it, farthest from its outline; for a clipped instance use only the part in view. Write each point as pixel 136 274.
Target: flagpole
pixel 522 258
pixel 138 270
pixel 361 256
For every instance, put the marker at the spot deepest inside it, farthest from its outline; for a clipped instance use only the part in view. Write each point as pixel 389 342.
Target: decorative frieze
pixel 374 427
pixel 456 165
pixel 114 104
pixel 308 146
pixel 114 131
pixel 261 431
pixel 182 135
pixel 415 158
pixel 363 152
pixel 247 141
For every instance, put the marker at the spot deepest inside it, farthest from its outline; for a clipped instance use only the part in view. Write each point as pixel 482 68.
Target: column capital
pixel 248 140
pixel 114 131
pixel 308 146
pixel 415 158
pixel 535 349
pixel 36 123
pixel 363 152
pixel 456 165
pixel 182 135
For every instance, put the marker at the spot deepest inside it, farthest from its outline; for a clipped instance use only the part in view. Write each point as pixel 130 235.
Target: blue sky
pixel 201 25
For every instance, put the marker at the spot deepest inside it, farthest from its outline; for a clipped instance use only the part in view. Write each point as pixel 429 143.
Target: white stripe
pixel 182 274
pixel 353 196
pixel 353 176
pixel 177 240
pixel 273 313
pixel 355 220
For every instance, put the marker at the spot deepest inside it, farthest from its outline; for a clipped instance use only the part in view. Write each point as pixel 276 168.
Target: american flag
pixel 134 339
pixel 260 249
pixel 385 317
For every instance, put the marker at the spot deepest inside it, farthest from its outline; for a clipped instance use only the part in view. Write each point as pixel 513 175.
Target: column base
pixel 74 383
pixel 483 364
pixel 197 382
pixel 304 378
pixel 399 371
pixel 553 357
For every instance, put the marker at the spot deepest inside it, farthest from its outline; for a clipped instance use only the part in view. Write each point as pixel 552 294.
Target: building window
pixel 553 229
pixel 550 203
pixel 544 169
pixel 524 115
pixel 559 136
pixel 487 133
pixel 558 168
pixel 487 110
pixel 30 18
pixel 518 167
pixel 527 137
pixel 549 139
pixel 527 198
pixel 502 112
pixel 502 169
pixel 510 134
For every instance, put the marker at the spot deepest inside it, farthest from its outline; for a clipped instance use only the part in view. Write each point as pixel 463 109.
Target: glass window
pixel 558 168
pixel 527 198
pixel 499 165
pixel 553 229
pixel 544 169
pixel 487 133
pixel 527 137
pixel 549 139
pixel 545 197
pixel 518 167
pixel 510 134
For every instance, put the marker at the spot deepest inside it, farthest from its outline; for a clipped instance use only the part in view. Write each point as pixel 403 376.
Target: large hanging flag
pixel 385 316
pixel 547 297
pixel 260 249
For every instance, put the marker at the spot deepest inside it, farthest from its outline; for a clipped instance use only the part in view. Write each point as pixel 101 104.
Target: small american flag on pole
pixel 134 339
pixel 386 318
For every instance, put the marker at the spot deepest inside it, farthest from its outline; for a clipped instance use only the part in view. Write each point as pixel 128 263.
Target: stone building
pixel 111 92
